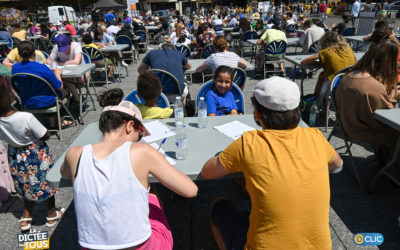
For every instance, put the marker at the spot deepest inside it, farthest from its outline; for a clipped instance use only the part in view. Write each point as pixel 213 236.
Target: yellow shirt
pixel 21 35
pixel 154 112
pixel 273 35
pixel 335 59
pixel 91 45
pixel 16 58
pixel 286 173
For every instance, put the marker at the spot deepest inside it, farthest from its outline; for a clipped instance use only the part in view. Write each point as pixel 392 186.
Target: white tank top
pixel 111 205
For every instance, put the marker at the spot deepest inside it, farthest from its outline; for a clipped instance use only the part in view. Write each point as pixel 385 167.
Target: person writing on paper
pixel 149 88
pixel 66 53
pixel 219 98
pixel 286 168
pixel 113 207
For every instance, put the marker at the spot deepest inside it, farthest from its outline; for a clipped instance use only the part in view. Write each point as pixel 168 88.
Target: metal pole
pixel 79 6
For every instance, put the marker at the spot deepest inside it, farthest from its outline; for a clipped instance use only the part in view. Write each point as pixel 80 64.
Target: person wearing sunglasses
pixel 113 207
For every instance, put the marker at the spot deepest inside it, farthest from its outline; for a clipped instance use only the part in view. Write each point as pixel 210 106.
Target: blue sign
pixel 368 239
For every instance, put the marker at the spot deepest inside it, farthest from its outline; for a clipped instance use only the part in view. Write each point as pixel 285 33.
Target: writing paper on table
pixel 169 159
pixel 158 131
pixel 233 129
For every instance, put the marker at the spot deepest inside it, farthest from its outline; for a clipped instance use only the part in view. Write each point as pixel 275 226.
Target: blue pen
pixel 159 147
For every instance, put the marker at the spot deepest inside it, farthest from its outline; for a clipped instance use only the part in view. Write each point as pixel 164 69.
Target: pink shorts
pixel 161 236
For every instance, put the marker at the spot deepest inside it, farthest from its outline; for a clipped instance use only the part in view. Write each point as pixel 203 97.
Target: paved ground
pixel 352 211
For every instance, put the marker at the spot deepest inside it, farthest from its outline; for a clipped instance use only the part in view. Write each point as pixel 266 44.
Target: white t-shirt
pixel 222 58
pixel 216 22
pixel 62 57
pixel 21 129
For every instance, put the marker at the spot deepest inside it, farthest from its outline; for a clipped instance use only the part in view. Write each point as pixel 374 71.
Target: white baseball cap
pixel 277 93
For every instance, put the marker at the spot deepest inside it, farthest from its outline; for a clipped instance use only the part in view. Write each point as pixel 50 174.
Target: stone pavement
pixel 351 210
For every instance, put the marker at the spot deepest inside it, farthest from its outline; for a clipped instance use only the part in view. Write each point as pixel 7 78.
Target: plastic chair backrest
pixel 333 86
pixel 94 54
pixel 276 48
pixel 237 95
pixel 249 35
pixel 291 28
pixel 142 35
pixel 207 51
pixel 53 37
pixel 15 41
pixel 29 85
pixel 79 32
pixel 10 43
pixel 86 58
pixel 167 79
pixel 239 77
pixel 349 31
pixel 313 48
pixel 124 40
pixel 45 54
pixel 183 49
pixel 218 27
pixel 162 100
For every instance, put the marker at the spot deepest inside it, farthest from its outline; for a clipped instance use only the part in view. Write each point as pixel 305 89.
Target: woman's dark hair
pixel 148 85
pixel 87 38
pixel 66 22
pixel 25 49
pixel 224 69
pixel 380 61
pixel 279 120
pixel 203 27
pixel 381 24
pixel 97 32
pixel 182 38
pixel 111 120
pixel 244 24
pixel 126 27
pixel 6 97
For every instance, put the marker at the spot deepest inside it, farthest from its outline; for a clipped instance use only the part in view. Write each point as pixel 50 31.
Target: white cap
pixel 277 93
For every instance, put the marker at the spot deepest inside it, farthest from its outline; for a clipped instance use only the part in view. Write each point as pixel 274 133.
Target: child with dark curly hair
pixel 149 88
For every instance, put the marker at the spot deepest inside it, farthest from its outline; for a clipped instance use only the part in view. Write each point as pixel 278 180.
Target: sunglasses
pixel 139 127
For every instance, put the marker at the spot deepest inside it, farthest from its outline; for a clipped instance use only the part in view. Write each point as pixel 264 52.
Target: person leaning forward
pixel 286 170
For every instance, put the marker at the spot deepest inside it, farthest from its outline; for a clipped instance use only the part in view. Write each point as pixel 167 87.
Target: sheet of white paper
pixel 169 159
pixel 66 71
pixel 233 129
pixel 158 131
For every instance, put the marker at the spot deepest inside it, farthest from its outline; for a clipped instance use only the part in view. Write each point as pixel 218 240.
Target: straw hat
pixel 256 16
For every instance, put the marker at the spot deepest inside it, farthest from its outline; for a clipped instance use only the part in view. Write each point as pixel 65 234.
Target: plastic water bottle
pixel 202 113
pixel 178 110
pixel 313 114
pixel 180 141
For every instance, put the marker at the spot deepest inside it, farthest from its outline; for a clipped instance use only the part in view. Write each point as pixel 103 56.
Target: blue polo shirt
pixel 171 61
pixel 109 17
pixel 36 94
pixel 220 104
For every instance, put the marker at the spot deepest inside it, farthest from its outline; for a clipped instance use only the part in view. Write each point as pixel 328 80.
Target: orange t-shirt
pixel 286 173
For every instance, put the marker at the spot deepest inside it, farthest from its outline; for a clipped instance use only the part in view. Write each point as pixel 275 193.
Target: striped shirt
pixel 225 58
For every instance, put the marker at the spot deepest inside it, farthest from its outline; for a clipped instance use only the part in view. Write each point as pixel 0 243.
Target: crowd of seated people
pixel 295 155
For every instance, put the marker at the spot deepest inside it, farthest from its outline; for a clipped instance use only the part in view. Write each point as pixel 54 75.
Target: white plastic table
pixel 118 48
pixel 390 117
pixel 78 71
pixel 357 40
pixel 202 144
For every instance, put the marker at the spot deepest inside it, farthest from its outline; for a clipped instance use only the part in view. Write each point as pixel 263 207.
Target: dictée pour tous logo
pixel 34 240
pixel 368 239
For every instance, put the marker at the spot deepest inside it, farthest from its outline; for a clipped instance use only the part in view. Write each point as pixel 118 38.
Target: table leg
pixel 396 156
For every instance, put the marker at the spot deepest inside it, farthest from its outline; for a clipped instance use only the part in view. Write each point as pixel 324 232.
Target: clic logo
pixel 368 239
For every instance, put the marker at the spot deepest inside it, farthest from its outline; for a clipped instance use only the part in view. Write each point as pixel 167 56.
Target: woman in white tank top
pixel 111 186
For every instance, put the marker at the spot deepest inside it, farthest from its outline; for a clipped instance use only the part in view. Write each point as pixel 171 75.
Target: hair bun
pixel 110 97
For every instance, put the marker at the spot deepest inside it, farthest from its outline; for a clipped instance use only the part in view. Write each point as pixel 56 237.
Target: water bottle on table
pixel 180 142
pixel 313 114
pixel 178 111
pixel 202 113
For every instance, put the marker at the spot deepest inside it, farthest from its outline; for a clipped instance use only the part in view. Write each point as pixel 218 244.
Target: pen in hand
pixel 159 147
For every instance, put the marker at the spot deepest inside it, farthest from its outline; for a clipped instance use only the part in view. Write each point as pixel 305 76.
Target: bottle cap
pixel 178 98
pixel 202 98
pixel 179 124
